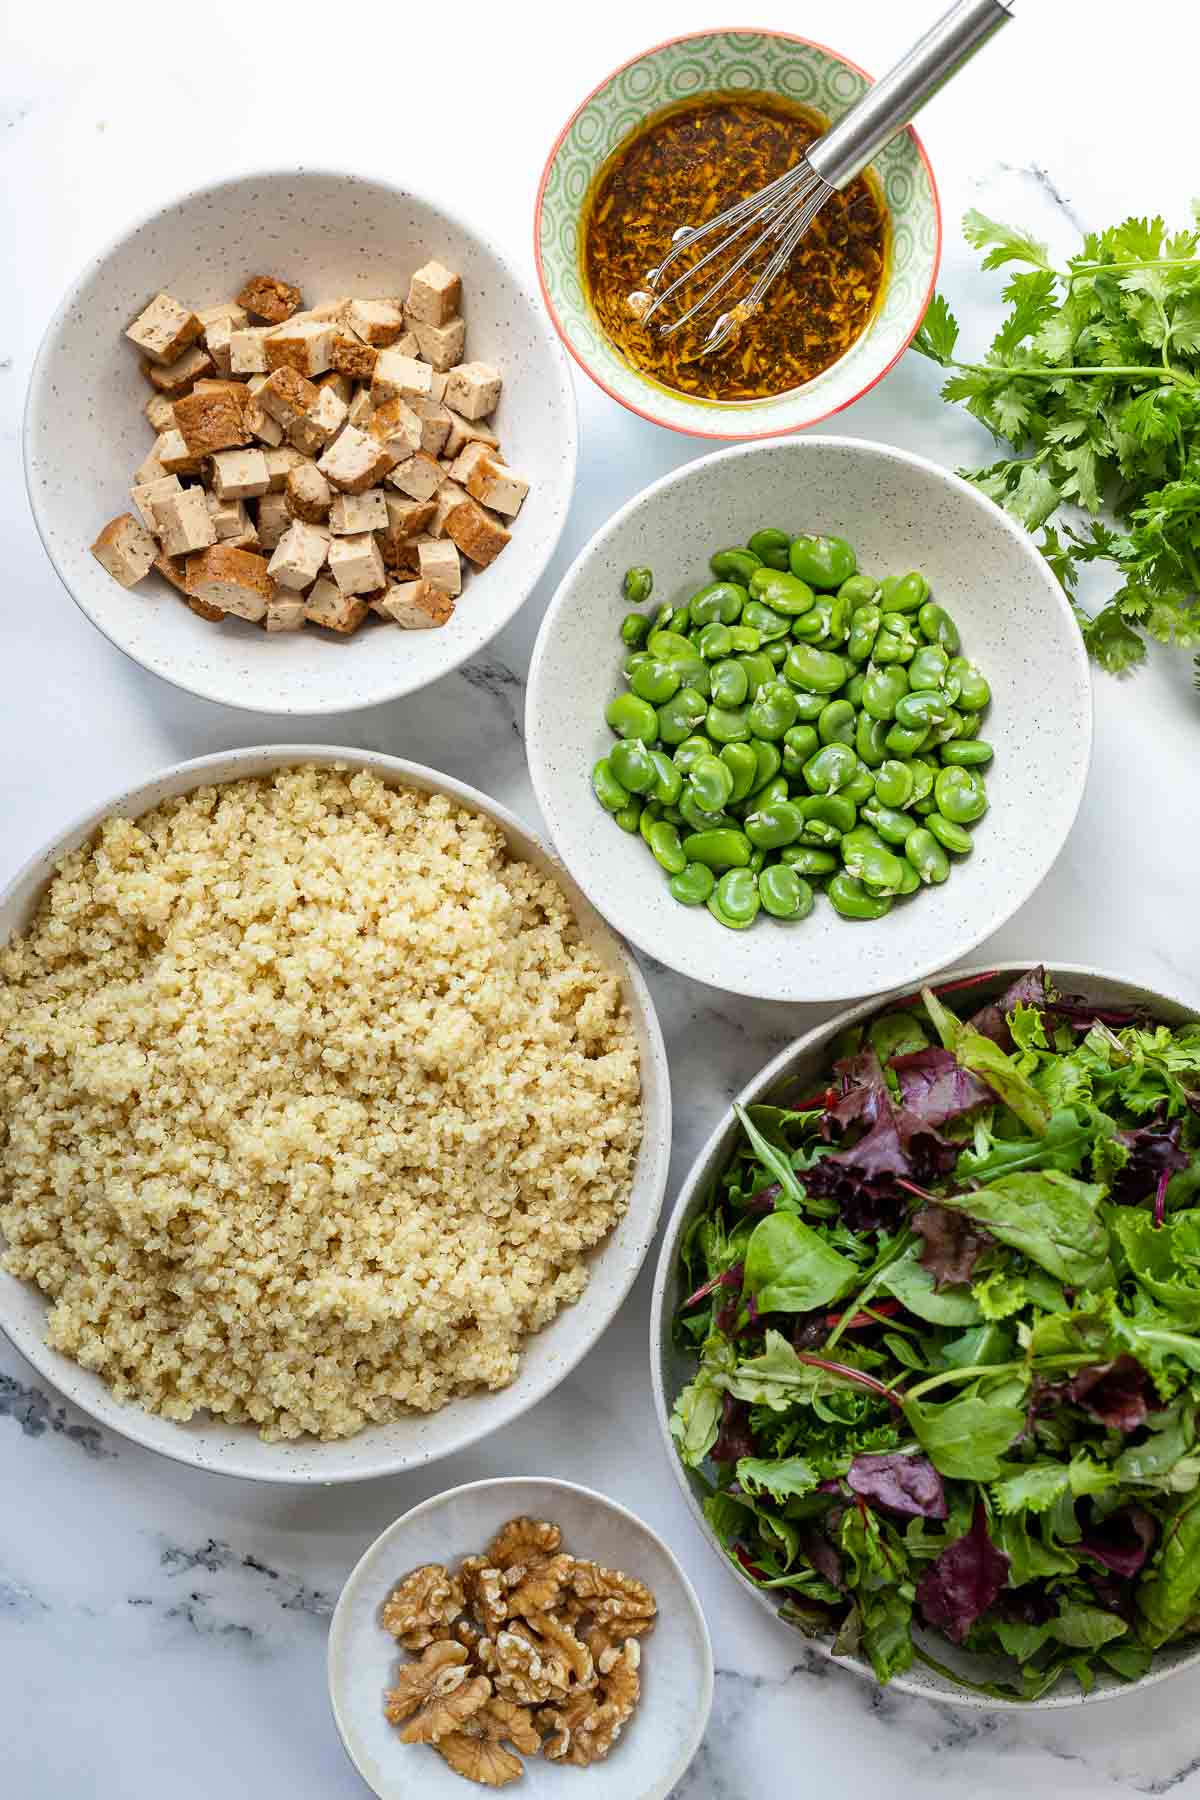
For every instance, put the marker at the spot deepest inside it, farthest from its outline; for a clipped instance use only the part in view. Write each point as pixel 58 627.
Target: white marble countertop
pixel 162 1631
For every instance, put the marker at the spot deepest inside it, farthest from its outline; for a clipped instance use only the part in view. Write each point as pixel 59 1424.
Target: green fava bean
pixel 907 594
pixel 922 708
pixel 635 660
pixel 910 881
pixel 894 641
pixel 831 768
pixel 853 690
pixel 655 681
pixel 809 707
pixel 817 671
pixel 715 641
pixel 806 859
pixel 742 764
pixel 892 825
pixel 666 848
pixel 679 716
pixel 742 639
pixel 928 669
pixel 630 717
pixel 784 893
pixel 949 835
pixel 757 861
pixel 668 779
pixel 727 724
pixel 734 901
pixel 882 688
pixel 973 690
pixel 851 900
pixel 773 711
pixel 729 684
pixel 629 817
pixel 611 794
pixel 669 646
pixel 836 722
pixel 769 624
pixel 881 868
pixel 668 618
pixel 721 849
pixel 838 628
pixel 687 752
pixel 768 794
pixel 651 814
pixel 759 670
pixel 959 794
pixel 771 827
pixel 711 782
pixel 921 807
pixel 693 884
pixel 771 547
pixel 823 562
pixel 633 765
pixel 870 739
pixel 894 783
pixel 829 809
pixel 926 855
pixel 768 759
pixel 734 565
pixel 923 773
pixel 905 740
pixel 782 592
pixel 972 725
pixel 864 629
pixel 950 727
pixel 820 833
pixel 860 787
pixel 799 743
pixel 859 590
pixel 937 627
pixel 638 585
pixel 721 602
pixel 635 628
pixel 966 753
pixel 697 818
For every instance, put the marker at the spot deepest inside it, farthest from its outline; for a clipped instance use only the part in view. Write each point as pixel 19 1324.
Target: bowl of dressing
pixel 671 138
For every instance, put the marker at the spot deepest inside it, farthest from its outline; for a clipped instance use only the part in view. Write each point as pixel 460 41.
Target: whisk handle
pixel 888 106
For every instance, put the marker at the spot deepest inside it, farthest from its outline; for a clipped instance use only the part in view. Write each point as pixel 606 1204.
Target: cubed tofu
pixel 176 377
pixel 303 346
pixel 279 464
pixel 224 310
pixel 165 329
pixel 144 494
pixel 150 468
pixel 434 295
pixel 400 376
pixel 360 409
pixel 288 396
pixel 334 311
pixel 405 518
pixel 396 426
pixel 273 519
pixel 416 605
pixel 439 564
pixel 354 461
pixel 213 417
pixel 247 349
pixel 352 513
pixel 376 322
pixel 235 580
pixel 160 411
pixel 448 496
pixel 173 456
pixel 269 298
pixel 465 431
pixel 342 385
pixel 473 389
pixel 350 356
pixel 419 476
pixel 493 484
pixel 435 425
pixel 240 474
pixel 308 494
pixel 261 425
pixel 216 342
pixel 328 415
pixel 232 521
pixel 478 534
pixel 285 612
pixel 184 522
pixel 468 460
pixel 299 555
pixel 126 549
pixel 356 564
pixel 172 569
pixel 327 605
pixel 441 345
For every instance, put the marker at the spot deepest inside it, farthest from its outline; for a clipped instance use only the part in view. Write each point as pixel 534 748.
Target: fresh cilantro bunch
pixel 1093 379
pixel 946 1323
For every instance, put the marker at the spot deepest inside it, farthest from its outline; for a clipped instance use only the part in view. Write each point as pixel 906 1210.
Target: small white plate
pixel 677 1666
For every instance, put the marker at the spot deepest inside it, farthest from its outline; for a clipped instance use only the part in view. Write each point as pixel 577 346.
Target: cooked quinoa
pixel 313 1100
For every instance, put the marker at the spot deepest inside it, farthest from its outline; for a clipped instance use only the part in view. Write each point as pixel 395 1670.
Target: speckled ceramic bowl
pixel 707 62
pixel 332 234
pixel 806 1062
pixel 901 513
pixel 677 1665
pixel 547 1357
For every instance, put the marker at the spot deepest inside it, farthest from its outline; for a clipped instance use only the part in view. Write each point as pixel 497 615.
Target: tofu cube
pixel 434 295
pixel 216 342
pixel 360 409
pixel 247 350
pixel 419 477
pixel 145 493
pixel 308 493
pixel 126 550
pixel 164 329
pixel 288 396
pixel 174 570
pixel 493 483
pixel 184 522
pixel 350 356
pixel 303 346
pixel 285 612
pixel 465 431
pixel 435 425
pixel 350 514
pixel 468 460
pixel 261 425
pixel 240 474
pixel 478 534
pixel 279 464
pixel 328 415
pixel 448 496
pixel 342 386
pixel 473 389
pixel 400 376
pixel 438 562
pixel 213 417
pixel 356 564
pixel 396 426
pixel 354 461
pixel 176 377
pixel 405 518
pixel 160 412
pixel 416 605
pixel 299 555
pixel 441 345
pixel 269 298
pixel 333 311
pixel 327 605
pixel 173 456
pixel 231 520
pixel 224 310
pixel 235 580
pixel 274 518
pixel 376 322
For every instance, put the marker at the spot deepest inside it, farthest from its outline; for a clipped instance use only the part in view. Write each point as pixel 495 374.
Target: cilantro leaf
pixel 938 332
pixel 1004 243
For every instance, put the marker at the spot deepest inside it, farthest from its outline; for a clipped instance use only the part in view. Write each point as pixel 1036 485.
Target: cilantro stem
pixel 1157 262
pixel 1047 372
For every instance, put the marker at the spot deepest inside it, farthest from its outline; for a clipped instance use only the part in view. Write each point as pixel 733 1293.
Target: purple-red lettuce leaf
pixel 735 1438
pixel 1122 1541
pixel 1155 1152
pixel 952 1244
pixel 934 1088
pixel 908 1485
pixel 957 1589
pixel 1118 1394
pixel 991 1021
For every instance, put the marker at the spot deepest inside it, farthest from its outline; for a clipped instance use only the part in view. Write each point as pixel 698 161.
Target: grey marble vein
pixel 216 1557
pixel 36 1413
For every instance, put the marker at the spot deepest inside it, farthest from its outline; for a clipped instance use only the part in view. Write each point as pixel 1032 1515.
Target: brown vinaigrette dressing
pixel 683 166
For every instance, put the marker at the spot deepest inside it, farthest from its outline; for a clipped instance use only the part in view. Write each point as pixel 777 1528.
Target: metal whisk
pixel 786 208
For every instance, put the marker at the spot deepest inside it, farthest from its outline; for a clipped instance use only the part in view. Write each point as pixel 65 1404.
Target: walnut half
pixel 435 1694
pixel 420 1607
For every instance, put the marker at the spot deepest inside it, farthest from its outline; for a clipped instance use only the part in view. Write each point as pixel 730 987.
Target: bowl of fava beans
pixel 809 719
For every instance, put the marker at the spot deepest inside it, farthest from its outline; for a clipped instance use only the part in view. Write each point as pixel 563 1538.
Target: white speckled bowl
pixel 900 512
pixel 332 234
pixel 548 1356
pixel 677 1665
pixel 806 1062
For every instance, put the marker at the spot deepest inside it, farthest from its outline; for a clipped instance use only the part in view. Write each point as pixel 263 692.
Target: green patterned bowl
pixel 725 62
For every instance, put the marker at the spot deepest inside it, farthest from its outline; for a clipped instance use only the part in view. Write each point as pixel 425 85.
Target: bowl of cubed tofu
pixel 300 442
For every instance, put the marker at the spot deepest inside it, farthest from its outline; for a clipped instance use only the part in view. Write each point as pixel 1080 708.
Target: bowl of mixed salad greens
pixel 926 1337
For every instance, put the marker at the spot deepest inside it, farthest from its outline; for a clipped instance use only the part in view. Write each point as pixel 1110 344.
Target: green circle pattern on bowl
pixel 745 61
